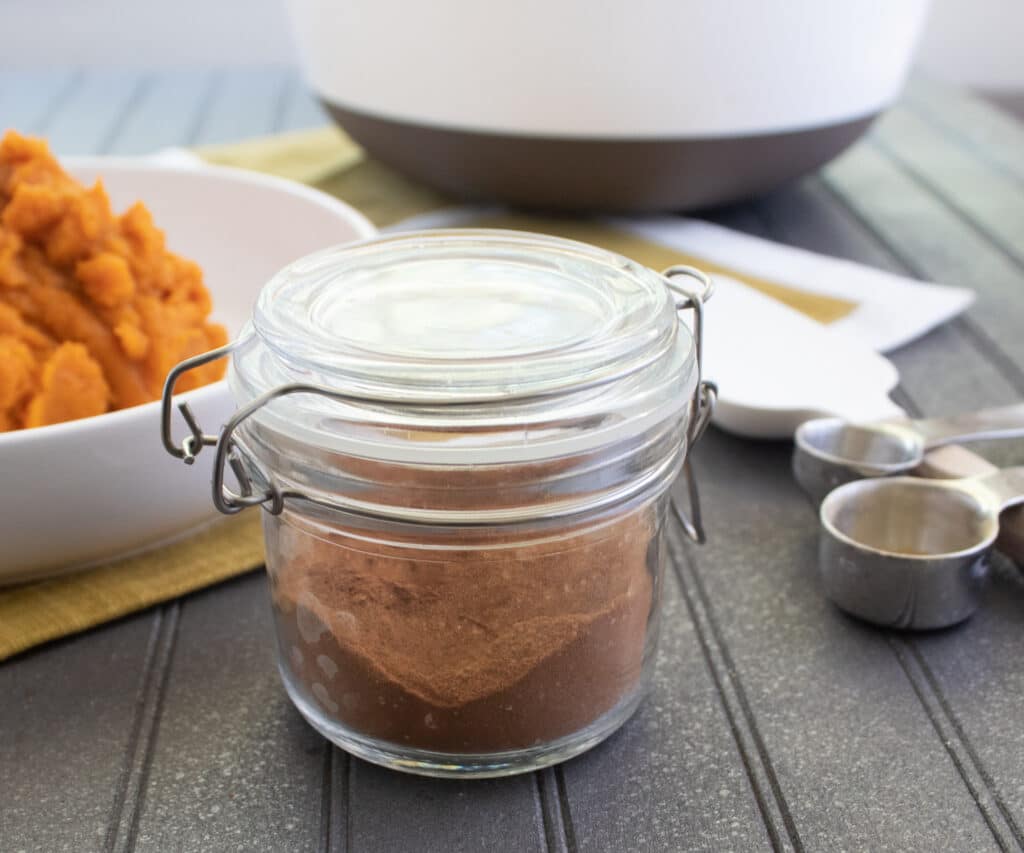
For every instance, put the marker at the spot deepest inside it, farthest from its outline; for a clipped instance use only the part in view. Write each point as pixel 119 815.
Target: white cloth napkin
pixel 891 311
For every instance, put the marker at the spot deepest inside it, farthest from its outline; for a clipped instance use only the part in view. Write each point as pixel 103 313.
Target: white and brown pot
pixel 617 105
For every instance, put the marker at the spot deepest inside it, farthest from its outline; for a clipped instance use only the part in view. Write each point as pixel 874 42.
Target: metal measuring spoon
pixel 907 552
pixel 830 451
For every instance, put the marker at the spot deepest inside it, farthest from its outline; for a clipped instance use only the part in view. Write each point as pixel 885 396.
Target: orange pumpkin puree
pixel 93 308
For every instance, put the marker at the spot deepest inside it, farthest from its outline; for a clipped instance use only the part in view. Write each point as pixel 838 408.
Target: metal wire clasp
pixel 692 294
pixel 192 444
pixel 228 453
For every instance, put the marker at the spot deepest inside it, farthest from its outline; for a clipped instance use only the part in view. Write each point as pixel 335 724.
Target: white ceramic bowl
pixel 82 492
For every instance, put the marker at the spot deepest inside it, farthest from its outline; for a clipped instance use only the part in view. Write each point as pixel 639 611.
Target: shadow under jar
pixel 463 442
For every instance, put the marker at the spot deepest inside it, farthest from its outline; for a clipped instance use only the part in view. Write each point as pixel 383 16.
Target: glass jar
pixel 463 443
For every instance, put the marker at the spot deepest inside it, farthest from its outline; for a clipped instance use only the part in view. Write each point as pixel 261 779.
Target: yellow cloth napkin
pixel 327 159
pixel 33 613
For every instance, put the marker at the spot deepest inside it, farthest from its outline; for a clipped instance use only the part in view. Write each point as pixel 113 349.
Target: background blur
pixel 975 42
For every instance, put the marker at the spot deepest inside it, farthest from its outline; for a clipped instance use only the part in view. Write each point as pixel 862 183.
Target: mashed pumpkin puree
pixel 93 308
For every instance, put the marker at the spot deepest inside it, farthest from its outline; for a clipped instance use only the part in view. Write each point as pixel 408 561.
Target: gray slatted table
pixel 776 722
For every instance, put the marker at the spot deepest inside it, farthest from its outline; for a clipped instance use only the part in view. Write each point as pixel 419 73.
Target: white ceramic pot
pixel 628 104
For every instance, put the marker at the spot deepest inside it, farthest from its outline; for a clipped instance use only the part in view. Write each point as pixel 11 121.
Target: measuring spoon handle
pixel 1006 485
pixel 1000 422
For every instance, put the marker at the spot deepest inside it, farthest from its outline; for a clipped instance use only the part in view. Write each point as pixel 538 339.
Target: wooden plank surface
pixel 170 111
pixel 90 118
pixel 966 684
pixel 70 715
pixel 847 747
pixel 301 109
pixel 992 135
pixel 831 800
pixel 942 371
pixel 679 776
pixel 244 103
pixel 227 738
pixel 775 722
pixel 388 811
pixel 981 194
pixel 28 99
pixel 936 243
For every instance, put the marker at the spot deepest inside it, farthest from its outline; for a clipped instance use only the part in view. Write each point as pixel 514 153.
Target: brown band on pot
pixel 631 175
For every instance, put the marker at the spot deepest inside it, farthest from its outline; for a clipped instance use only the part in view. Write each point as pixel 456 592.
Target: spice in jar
pixel 487 646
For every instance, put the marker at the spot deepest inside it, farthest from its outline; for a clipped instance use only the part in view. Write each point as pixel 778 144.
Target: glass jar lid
pixel 465 347
pixel 464 315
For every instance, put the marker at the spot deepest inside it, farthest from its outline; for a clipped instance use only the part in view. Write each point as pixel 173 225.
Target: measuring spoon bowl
pixel 829 452
pixel 905 552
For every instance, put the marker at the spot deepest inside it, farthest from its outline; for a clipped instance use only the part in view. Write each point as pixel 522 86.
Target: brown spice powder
pixel 483 647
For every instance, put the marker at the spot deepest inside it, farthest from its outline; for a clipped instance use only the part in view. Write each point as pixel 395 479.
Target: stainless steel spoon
pixel 831 451
pixel 905 552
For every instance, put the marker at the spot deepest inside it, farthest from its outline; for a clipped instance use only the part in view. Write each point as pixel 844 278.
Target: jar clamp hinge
pixel 692 296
